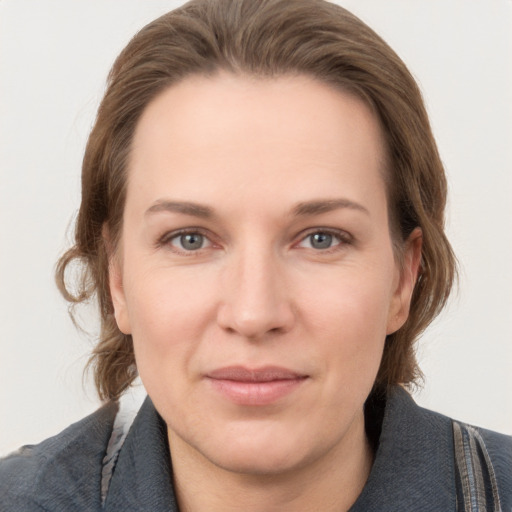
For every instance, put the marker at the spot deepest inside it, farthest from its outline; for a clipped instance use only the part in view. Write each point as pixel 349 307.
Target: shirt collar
pixel 142 478
pixel 413 467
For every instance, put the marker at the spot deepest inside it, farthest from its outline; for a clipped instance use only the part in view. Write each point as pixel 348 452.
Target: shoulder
pixel 63 472
pixel 499 447
pixel 426 456
pixel 479 454
pixel 492 453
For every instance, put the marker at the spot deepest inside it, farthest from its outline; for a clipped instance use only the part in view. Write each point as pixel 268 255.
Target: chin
pixel 258 463
pixel 257 455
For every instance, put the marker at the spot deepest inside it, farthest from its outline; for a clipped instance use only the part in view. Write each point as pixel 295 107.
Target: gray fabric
pixel 414 461
pixel 413 471
pixel 62 473
pixel 499 449
pixel 122 425
pixel 141 479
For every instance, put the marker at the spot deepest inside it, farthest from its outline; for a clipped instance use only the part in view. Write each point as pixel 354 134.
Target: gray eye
pixel 320 240
pixel 191 241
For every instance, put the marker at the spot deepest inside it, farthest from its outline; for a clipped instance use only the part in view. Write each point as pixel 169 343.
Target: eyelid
pixel 168 236
pixel 344 237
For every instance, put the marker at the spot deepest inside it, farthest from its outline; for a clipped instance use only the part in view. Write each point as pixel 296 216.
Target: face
pixel 255 270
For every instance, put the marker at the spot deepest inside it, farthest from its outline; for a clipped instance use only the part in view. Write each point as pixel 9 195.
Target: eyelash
pixel 166 239
pixel 343 238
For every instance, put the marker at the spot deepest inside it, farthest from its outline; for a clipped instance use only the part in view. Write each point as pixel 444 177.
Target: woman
pixel 262 225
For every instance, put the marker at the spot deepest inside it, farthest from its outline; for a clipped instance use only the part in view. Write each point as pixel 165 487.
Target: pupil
pixel 191 242
pixel 321 240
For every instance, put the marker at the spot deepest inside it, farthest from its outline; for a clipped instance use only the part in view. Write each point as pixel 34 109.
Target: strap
pixel 477 488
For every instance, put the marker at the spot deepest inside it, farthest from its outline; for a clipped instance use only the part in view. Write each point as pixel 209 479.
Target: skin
pixel 272 162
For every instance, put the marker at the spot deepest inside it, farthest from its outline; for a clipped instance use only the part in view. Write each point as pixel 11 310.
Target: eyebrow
pixel 316 207
pixel 183 207
pixel 302 209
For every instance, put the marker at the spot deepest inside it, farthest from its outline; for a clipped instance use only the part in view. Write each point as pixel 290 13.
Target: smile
pixel 261 386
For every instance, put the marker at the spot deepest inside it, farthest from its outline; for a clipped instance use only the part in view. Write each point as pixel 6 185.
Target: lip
pixel 255 386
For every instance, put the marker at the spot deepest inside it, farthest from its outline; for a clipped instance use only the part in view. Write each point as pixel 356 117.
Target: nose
pixel 256 301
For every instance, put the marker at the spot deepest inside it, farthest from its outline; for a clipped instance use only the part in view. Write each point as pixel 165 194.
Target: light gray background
pixel 54 58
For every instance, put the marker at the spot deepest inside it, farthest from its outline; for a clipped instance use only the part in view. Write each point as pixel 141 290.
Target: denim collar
pixel 413 468
pixel 143 474
pixel 414 465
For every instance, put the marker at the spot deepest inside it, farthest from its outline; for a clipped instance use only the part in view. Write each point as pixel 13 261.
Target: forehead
pixel 290 133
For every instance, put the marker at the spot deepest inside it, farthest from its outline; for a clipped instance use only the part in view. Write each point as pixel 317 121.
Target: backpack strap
pixel 477 487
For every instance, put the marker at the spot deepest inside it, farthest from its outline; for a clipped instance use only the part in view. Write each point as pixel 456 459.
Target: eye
pixel 323 240
pixel 189 241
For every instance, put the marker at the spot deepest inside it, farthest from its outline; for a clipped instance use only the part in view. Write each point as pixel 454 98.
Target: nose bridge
pixel 255 299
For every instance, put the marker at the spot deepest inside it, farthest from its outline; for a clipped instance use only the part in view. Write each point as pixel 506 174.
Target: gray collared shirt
pixel 414 467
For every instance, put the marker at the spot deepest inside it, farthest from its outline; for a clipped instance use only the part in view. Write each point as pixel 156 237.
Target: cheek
pixel 168 311
pixel 351 301
pixel 350 321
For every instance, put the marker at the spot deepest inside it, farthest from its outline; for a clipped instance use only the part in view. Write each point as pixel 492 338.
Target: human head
pixel 268 39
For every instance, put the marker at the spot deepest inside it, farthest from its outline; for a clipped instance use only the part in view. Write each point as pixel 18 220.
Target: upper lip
pixel 262 374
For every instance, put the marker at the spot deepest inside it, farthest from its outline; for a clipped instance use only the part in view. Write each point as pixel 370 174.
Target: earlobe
pixel 399 310
pixel 115 281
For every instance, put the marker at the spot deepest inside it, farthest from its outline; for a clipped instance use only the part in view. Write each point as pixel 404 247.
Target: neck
pixel 332 482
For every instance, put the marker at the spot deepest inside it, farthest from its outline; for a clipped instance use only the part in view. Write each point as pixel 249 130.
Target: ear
pixel 407 277
pixel 115 281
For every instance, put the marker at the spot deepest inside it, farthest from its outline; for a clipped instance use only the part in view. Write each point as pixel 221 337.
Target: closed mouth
pixel 262 374
pixel 255 386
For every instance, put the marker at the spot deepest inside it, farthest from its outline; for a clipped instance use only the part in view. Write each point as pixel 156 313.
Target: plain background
pixel 54 58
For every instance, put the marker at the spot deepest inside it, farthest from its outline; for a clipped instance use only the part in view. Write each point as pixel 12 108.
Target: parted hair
pixel 266 38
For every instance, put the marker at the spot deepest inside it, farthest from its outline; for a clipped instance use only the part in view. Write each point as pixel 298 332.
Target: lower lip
pixel 255 393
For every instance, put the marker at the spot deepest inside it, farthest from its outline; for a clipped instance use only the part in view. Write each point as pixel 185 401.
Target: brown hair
pixel 264 38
